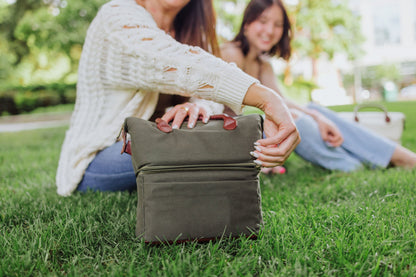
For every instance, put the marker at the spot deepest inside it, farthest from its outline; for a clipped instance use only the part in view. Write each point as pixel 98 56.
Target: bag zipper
pixel 148 169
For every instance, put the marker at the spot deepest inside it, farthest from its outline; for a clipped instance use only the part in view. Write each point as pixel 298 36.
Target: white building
pixel 389 29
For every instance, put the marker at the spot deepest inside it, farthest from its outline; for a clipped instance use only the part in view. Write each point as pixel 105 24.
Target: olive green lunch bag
pixel 196 184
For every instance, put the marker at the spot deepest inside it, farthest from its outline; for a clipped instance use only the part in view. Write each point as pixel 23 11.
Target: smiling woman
pixel 327 139
pixel 267 30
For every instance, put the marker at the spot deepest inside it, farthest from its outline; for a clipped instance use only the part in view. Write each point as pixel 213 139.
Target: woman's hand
pixel 282 137
pixel 180 112
pixel 329 131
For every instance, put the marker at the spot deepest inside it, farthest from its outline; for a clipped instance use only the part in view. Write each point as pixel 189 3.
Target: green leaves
pixel 31 29
pixel 57 28
pixel 326 27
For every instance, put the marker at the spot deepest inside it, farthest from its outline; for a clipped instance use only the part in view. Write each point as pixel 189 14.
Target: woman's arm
pixel 133 53
pixel 282 135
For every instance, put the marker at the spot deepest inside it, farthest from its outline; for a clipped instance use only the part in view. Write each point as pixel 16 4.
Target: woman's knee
pixel 110 161
pixel 109 171
pixel 315 150
pixel 107 182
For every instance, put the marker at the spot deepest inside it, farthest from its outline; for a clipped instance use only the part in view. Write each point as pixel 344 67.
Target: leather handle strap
pixel 230 123
pixel 126 148
pixel 163 125
pixel 362 106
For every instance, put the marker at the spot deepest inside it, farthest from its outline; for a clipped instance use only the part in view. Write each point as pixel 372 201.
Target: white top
pixel 125 63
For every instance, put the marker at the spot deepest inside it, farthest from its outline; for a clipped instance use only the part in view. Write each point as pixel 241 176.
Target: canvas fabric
pixel 198 183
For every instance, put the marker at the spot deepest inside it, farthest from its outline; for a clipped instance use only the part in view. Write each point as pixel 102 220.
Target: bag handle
pixel 378 106
pixel 230 123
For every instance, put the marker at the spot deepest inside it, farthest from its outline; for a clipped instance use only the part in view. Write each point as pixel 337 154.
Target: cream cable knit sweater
pixel 126 61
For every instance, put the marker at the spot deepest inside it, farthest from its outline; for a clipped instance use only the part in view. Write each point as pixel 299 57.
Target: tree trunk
pixel 288 78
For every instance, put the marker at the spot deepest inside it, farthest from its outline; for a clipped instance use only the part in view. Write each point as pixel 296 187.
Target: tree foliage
pixel 326 26
pixel 40 36
pixel 41 41
pixel 229 14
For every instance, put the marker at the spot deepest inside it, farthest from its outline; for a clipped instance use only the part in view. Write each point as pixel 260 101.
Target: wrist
pixel 260 97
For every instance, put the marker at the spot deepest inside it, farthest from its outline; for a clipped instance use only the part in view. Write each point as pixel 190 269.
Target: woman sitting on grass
pixel 327 140
pixel 137 54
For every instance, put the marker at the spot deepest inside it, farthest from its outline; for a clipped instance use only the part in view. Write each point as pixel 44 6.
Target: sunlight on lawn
pixel 316 222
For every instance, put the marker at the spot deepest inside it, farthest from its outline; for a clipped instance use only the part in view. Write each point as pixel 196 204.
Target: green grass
pixel 316 222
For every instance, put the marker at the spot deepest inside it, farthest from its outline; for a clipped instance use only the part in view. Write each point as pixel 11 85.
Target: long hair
pixel 195 25
pixel 252 12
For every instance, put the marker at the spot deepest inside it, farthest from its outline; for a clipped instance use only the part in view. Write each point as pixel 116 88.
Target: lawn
pixel 316 222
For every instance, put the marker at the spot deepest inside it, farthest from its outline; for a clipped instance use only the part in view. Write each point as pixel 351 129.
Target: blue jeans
pixel 109 171
pixel 360 146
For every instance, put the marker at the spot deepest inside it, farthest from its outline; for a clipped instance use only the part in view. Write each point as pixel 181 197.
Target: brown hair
pixel 195 25
pixel 252 12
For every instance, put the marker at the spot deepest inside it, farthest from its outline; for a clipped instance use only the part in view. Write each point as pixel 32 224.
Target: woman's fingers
pixel 277 154
pixel 193 116
pixel 180 112
pixel 334 140
pixel 276 148
pixel 204 114
pixel 180 116
pixel 329 131
pixel 170 115
pixel 275 134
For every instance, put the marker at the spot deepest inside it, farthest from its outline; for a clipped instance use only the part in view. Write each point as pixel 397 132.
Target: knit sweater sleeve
pixel 138 55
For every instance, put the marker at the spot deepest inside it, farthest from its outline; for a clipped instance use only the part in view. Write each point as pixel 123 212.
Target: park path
pixel 16 123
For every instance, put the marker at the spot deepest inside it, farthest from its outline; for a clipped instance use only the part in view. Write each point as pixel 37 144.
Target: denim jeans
pixel 360 145
pixel 109 171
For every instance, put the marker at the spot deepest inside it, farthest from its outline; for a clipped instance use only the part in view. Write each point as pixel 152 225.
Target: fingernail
pixel 174 126
pixel 205 120
pixel 191 125
pixel 256 143
pixel 258 162
pixel 254 154
pixel 257 148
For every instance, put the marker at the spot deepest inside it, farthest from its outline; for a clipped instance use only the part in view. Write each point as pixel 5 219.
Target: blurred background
pixel 345 51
